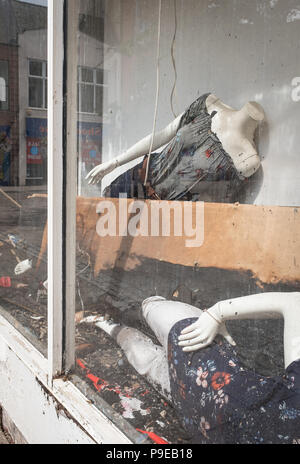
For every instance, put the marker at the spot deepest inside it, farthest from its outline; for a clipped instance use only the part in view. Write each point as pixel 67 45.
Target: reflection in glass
pixel 36 90
pixel 4 85
pixel 23 169
pixel 37 84
pixel 35 68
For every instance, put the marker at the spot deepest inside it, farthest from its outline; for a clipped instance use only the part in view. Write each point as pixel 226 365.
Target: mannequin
pixel 217 399
pixel 207 129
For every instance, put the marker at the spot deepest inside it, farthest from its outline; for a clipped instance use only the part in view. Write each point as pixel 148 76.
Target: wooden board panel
pixel 262 240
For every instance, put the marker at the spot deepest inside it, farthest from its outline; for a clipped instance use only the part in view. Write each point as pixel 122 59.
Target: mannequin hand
pixel 202 333
pixel 99 171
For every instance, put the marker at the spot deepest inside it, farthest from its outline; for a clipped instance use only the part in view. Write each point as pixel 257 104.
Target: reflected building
pixel 23 93
pixel 23 50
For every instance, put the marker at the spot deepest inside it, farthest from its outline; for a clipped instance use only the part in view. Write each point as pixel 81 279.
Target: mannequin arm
pixel 141 148
pixel 261 306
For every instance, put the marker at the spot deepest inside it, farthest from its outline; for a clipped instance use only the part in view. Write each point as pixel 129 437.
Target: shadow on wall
pixel 251 188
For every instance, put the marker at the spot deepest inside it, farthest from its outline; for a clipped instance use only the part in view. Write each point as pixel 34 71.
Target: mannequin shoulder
pixel 213 103
pixel 255 111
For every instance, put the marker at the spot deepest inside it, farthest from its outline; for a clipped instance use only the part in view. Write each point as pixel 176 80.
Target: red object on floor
pixel 154 437
pixel 5 282
pixel 99 383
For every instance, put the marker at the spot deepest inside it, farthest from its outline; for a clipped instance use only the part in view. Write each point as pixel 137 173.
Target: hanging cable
pixel 157 92
pixel 173 60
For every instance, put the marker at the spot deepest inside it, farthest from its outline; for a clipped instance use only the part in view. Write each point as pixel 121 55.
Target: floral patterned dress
pixel 193 166
pixel 221 402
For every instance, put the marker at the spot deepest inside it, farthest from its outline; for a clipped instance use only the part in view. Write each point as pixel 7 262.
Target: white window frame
pixel 51 370
pixel 93 84
pixel 43 78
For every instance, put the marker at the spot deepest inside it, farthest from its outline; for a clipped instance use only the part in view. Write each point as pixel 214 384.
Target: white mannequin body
pixel 234 128
pixel 160 314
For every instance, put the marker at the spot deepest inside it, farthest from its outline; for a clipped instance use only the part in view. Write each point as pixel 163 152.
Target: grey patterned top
pixel 194 166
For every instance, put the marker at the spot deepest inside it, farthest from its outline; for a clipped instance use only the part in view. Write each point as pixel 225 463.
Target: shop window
pixel 167 217
pixel 174 68
pixel 4 85
pixel 37 80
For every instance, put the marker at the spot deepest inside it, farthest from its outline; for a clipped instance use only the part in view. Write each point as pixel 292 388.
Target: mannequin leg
pixel 148 359
pixel 161 314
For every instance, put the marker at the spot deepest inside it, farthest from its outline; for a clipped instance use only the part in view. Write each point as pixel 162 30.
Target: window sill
pixel 32 108
pixel 77 407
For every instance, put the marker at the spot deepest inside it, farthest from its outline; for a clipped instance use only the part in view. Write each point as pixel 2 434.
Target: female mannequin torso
pixel 235 130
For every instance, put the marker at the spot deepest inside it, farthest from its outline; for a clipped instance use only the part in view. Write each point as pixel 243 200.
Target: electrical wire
pixel 173 61
pixel 157 92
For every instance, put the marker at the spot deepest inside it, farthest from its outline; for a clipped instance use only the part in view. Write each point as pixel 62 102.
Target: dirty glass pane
pixel 23 169
pixel 46 93
pixel 36 89
pixel 211 215
pixel 87 75
pixel 35 68
pixel 99 99
pixel 4 85
pixel 99 76
pixel 87 98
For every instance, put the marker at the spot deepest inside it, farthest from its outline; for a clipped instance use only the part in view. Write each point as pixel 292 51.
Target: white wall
pixel 241 50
